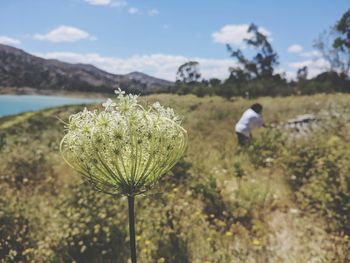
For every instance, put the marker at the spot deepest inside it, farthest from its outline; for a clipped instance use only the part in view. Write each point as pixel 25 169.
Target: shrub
pixel 93 230
pixel 178 175
pixel 265 148
pixel 171 248
pixel 250 200
pixel 320 173
pixel 2 140
pixel 214 205
pixel 27 168
pixel 15 239
pixel 163 224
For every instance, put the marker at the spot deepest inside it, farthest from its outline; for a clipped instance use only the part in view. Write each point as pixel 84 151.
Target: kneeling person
pixel 250 119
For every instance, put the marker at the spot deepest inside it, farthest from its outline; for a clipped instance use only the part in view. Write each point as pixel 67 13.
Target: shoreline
pixel 61 93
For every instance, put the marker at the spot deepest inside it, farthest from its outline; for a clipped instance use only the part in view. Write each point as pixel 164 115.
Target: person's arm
pixel 256 122
pixel 260 122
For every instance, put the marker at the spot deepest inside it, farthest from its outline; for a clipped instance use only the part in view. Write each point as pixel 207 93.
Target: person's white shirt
pixel 249 120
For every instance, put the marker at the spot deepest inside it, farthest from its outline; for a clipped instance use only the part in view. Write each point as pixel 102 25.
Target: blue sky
pixel 156 36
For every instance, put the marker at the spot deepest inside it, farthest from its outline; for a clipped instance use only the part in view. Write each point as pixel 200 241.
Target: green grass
pixel 201 211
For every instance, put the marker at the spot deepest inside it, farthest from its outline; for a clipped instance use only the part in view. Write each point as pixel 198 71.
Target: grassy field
pixel 283 198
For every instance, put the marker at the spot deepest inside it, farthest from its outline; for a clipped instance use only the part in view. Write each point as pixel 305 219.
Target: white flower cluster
pixel 124 148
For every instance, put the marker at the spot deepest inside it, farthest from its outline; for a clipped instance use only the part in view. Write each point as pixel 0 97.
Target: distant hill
pixel 19 69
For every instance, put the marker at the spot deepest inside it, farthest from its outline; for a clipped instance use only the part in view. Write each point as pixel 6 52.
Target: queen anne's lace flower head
pixel 124 148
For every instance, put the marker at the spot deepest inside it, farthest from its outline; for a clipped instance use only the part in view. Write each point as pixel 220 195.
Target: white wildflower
pixel 125 148
pixel 109 104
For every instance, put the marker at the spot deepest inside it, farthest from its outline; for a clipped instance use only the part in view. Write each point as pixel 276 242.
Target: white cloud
pixel 295 48
pixel 99 2
pixel 9 41
pixel 166 26
pixel 116 3
pixel 235 34
pixel 133 10
pixel 64 34
pixel 158 65
pixel 311 54
pixel 153 12
pixel 315 67
pixel 289 75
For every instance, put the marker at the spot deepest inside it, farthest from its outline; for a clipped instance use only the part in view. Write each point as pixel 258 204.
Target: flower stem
pixel 131 201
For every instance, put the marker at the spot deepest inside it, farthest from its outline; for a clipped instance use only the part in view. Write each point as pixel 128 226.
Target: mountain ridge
pixel 19 69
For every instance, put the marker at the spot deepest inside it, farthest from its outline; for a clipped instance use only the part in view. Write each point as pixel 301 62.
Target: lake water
pixel 14 104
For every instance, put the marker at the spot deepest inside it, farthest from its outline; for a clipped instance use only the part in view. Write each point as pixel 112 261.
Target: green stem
pixel 131 201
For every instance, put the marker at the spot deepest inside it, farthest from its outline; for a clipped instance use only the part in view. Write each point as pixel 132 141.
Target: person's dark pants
pixel 242 139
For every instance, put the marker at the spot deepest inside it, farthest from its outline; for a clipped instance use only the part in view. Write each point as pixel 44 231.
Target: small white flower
pixel 119 92
pixel 156 105
pixel 109 104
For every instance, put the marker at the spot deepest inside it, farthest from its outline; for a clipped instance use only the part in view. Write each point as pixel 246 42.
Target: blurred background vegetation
pixel 257 74
pixel 284 198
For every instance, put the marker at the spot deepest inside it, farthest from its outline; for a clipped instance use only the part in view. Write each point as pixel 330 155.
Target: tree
pixel 266 59
pixel 334 45
pixel 342 41
pixel 188 73
pixel 214 82
pixel 262 64
pixel 254 76
pixel 302 86
pixel 302 73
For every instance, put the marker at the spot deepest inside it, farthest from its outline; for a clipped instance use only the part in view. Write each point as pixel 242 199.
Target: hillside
pixel 19 69
pixel 284 198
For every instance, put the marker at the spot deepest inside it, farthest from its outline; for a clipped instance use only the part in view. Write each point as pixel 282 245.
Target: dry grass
pixel 261 221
